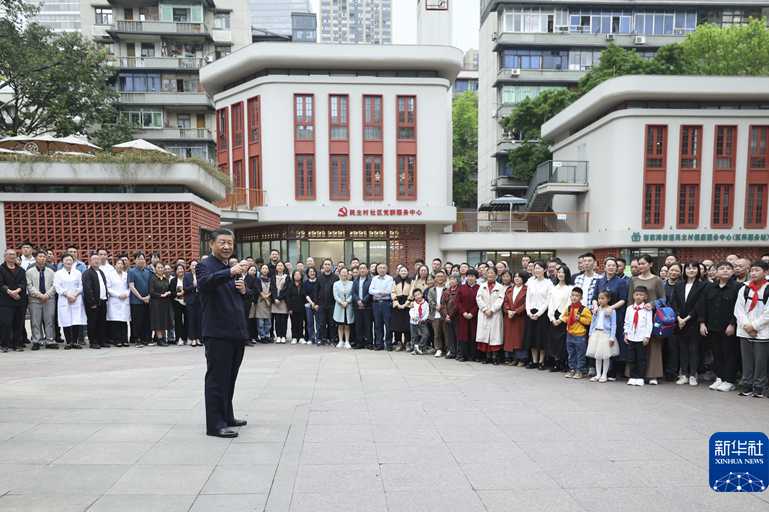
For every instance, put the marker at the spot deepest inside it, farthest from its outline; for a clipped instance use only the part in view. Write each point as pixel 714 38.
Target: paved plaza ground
pixel 122 430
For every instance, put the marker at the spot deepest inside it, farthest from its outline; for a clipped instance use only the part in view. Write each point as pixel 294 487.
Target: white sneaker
pixel 652 382
pixel 301 341
pixel 340 345
pixel 692 381
pixel 283 340
pixel 681 380
pixel 726 386
pixel 438 353
pixel 347 345
pixel 180 343
pixel 716 384
pixel 640 382
pixel 603 379
pixel 293 341
pixel 631 382
pixel 594 378
pixel 417 350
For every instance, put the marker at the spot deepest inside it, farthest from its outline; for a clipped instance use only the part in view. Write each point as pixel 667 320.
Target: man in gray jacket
pixel 42 302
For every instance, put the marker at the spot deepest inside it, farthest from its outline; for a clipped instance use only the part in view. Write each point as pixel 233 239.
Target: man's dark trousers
pixel 223 358
pixel 97 324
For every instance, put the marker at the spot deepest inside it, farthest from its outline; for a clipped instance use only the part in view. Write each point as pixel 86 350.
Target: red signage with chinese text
pixel 378 212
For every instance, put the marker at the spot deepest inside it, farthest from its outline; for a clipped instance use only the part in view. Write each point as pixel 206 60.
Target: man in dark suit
pixel 362 301
pixel 95 298
pixel 223 321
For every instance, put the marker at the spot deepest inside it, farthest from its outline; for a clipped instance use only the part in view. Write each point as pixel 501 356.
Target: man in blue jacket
pixel 362 304
pixel 223 323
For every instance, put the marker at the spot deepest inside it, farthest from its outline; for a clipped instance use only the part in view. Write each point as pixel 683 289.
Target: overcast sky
pixel 466 20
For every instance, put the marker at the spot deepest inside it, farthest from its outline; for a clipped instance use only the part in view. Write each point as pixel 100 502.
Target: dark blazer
pixel 326 289
pixel 91 286
pixel 12 280
pixel 311 291
pixel 222 309
pixel 366 297
pixel 190 290
pixel 295 298
pixel 717 306
pixel 691 305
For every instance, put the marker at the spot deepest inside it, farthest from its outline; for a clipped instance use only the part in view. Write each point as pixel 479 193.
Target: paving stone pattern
pixel 122 430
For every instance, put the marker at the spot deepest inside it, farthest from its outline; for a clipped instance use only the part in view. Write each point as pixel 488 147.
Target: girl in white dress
pixel 68 282
pixel 118 304
pixel 602 344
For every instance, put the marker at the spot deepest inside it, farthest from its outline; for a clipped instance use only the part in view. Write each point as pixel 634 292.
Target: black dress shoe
pixel 238 423
pixel 35 346
pixel 222 432
pixel 95 345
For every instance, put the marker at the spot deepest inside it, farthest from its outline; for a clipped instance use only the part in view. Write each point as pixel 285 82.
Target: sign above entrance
pixel 377 212
pixel 699 237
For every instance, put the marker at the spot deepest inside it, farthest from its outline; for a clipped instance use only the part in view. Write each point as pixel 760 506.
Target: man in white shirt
pixel 27 258
pixel 434 295
pixel 381 290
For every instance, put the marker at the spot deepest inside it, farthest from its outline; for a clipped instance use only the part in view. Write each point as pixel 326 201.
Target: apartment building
pixel 356 21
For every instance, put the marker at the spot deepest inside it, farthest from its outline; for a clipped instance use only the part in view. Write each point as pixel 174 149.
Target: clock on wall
pixel 437 5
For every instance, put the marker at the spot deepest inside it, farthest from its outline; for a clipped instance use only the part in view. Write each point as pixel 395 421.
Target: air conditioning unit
pixel 515 72
pixel 610 37
pixel 563 28
pixel 639 40
pixel 494 36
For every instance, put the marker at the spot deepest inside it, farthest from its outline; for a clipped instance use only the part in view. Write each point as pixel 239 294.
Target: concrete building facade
pixel 356 21
pixel 365 169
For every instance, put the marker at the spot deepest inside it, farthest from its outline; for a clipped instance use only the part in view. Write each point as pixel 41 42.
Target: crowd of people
pixel 687 321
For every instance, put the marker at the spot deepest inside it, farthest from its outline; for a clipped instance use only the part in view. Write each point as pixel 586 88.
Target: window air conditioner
pixel 639 40
pixel 494 36
pixel 515 72
pixel 610 37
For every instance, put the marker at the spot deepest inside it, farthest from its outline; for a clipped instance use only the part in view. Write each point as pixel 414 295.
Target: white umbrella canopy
pixel 138 145
pixel 47 144
pixel 4 151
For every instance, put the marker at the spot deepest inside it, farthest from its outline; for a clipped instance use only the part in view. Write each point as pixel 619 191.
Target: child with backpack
pixel 577 318
pixel 752 314
pixel 603 345
pixel 638 331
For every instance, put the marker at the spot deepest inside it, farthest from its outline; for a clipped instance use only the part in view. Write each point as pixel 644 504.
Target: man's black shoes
pixel 223 432
pixel 238 423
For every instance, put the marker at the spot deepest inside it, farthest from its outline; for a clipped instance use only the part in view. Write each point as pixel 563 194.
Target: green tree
pixel 733 50
pixel 531 113
pixel 525 158
pixel 112 128
pixel 465 147
pixel 58 83
pixel 615 61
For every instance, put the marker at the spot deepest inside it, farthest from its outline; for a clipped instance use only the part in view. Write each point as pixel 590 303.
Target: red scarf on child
pixel 637 308
pixel 755 287
pixel 573 314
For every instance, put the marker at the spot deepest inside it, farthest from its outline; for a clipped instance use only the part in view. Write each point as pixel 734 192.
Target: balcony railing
pixel 558 171
pixel 155 26
pixel 175 133
pixel 164 98
pixel 243 199
pixel 160 62
pixel 521 222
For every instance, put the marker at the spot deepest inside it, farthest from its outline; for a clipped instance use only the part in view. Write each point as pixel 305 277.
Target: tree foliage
pixel 737 50
pixel 57 83
pixel 465 144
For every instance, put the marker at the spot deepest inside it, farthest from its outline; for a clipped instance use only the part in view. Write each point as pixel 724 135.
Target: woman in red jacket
pixel 467 320
pixel 513 313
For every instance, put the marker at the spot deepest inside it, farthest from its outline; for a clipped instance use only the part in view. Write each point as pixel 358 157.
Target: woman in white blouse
pixel 560 297
pixel 118 304
pixel 538 290
pixel 68 282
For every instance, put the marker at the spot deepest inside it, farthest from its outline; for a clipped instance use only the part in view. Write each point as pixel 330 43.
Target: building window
pixel 238 176
pixel 514 94
pixel 237 125
pixel 690 147
pixel 148 50
pixel 143 119
pixel 722 206
pixel 407 177
pixel 339 176
pixel 304 117
pixel 103 16
pixel 656 147
pixel 338 117
pixel 372 118
pixel 407 118
pixel 221 129
pixel 222 21
pixel 688 199
pixel 372 178
pixel 304 179
pixel 653 206
pixel 254 173
pixel 759 147
pixel 726 145
pixel 254 119
pixel 755 206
